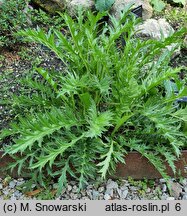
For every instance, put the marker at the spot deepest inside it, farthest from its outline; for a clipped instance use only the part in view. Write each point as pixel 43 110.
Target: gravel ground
pixel 13 189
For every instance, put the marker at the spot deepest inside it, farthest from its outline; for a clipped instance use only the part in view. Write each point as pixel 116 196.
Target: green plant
pixel 46 21
pixel 176 16
pixel 103 5
pixel 106 102
pixel 13 17
pixel 159 5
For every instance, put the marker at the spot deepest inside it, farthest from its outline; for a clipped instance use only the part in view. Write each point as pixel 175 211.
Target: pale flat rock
pixel 155 29
pixel 184 197
pixel 158 30
pixel 73 5
pixel 176 189
pixel 119 6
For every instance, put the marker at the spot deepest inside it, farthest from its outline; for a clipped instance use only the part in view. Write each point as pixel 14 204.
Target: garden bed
pixel 82 113
pixel 136 166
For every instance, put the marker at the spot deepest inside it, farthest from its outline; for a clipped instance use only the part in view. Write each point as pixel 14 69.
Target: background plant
pixel 159 5
pixel 176 16
pixel 13 17
pixel 17 15
pixel 103 5
pixel 104 103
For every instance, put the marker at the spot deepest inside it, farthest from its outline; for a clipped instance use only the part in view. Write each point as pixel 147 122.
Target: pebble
pixel 184 197
pixel 69 188
pixel 164 187
pixel 101 189
pixel 73 196
pixel 109 190
pixel 162 180
pixel 111 184
pixel 89 193
pixel 95 195
pixel 176 189
pixel 12 184
pixel 74 189
pixel 185 189
pixel 20 183
pixel 184 182
pixel 124 194
pixel 107 197
pixel 164 196
pixel 148 190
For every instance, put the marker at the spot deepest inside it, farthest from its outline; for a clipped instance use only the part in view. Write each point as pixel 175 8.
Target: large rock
pixel 50 6
pixel 119 5
pixel 155 29
pixel 59 5
pixel 73 5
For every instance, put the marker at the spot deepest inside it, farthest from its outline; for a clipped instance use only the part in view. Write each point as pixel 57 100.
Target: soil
pixel 16 65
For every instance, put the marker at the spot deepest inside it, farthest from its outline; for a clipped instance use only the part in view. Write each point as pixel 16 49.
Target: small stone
pixel 101 197
pixel 164 188
pixel 132 188
pixel 124 194
pixel 184 197
pixel 107 197
pixel 95 195
pixel 162 181
pixel 101 189
pixel 110 192
pixel 184 182
pixel 89 193
pixel 185 189
pixel 12 184
pixel 176 189
pixel 83 192
pixel 124 187
pixel 69 188
pixel 6 192
pixel 17 193
pixel 74 189
pixel 20 183
pixel 111 185
pixel 1 186
pixel 73 196
pixel 164 196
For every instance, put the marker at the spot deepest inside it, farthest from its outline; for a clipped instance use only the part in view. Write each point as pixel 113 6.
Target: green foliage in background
pixel 159 5
pixel 106 102
pixel 103 5
pixel 16 15
pixel 176 16
pixel 13 17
